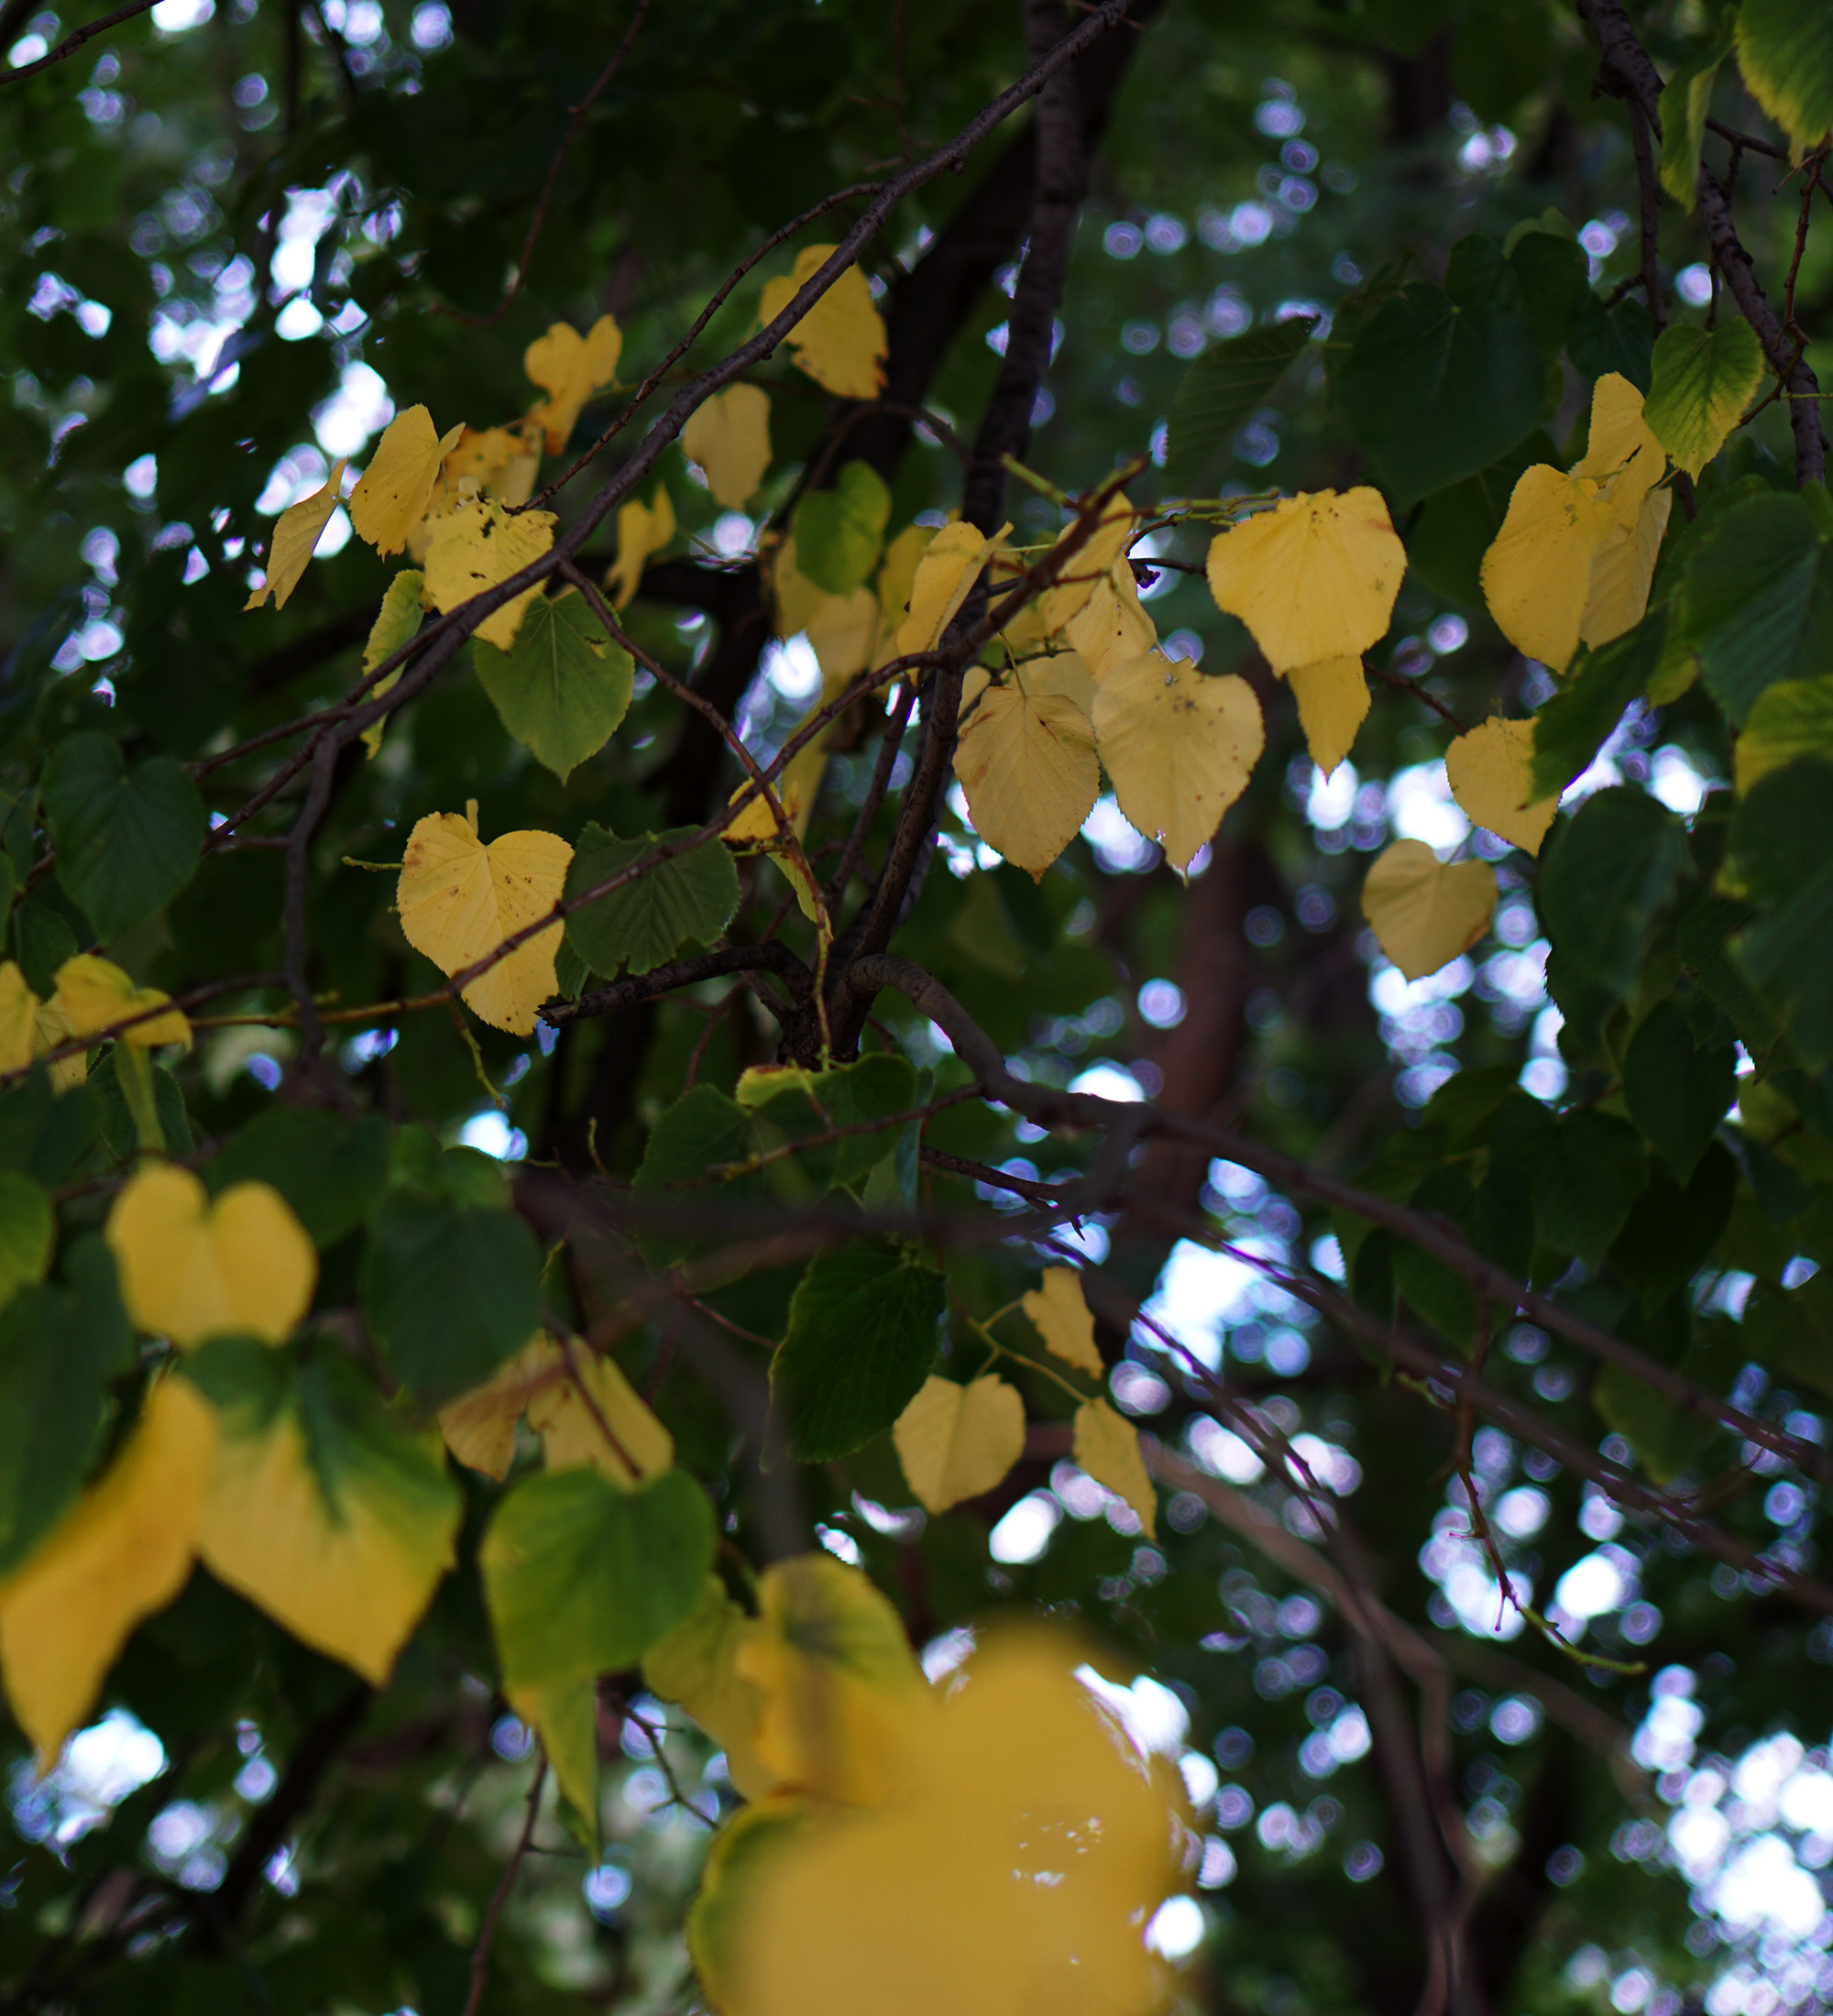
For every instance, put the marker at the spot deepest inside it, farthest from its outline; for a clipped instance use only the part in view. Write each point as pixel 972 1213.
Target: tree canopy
pixel 916 1028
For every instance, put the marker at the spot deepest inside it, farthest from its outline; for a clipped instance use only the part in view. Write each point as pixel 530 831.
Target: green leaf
pixel 449 1291
pixel 871 1088
pixel 562 687
pixel 127 842
pixel 1442 380
pixel 328 1169
pixel 839 532
pixel 1666 1437
pixel 1786 51
pixel 58 1349
pixel 1782 835
pixel 703 1129
pixel 1677 1094
pixel 582 1578
pixel 44 940
pixel 860 1342
pixel 1579 719
pixel 1686 100
pixel 1791 718
pixel 1791 1328
pixel 1759 599
pixel 645 923
pixel 1587 1172
pixel 114 1114
pixel 28 1232
pixel 1702 379
pixel 44 1135
pixel 1702 936
pixel 1222 390
pixel 1452 530
pixel 1673 1226
pixel 1603 880
pixel 1620 339
pixel 1788 954
pixel 1553 271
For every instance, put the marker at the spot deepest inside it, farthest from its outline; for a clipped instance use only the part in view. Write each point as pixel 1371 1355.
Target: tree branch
pixel 772 957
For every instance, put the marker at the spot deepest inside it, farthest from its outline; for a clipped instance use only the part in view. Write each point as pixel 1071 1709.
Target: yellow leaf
pixel 94 994
pixel 459 899
pixel 565 1715
pixel 897 577
pixel 796 790
pixel 697 1665
pixel 1491 773
pixel 1060 1312
pixel 843 1701
pixel 588 1414
pixel 479 1425
pixel 18 1020
pixel 295 535
pixel 1028 764
pixel 796 598
pixel 643 530
pixel 475 547
pixel 1108 1448
pixel 729 436
pixel 54 1031
pixel 948 570
pixel 1179 747
pixel 843 630
pixel 1095 560
pixel 956 1442
pixel 395 621
pixel 569 369
pixel 1016 1878
pixel 1315 577
pixel 1617 590
pixel 1621 445
pixel 1333 697
pixel 192 1270
pixel 342 1538
pixel 1425 913
pixel 840 342
pixel 392 494
pixel 501 460
pixel 1537 571
pixel 1111 627
pixel 123 1551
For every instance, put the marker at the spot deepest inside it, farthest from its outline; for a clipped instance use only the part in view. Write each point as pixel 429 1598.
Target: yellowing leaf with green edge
pixel 124 1550
pixel 55 1030
pixel 95 995
pixel 1333 697
pixel 1016 1877
pixel 1703 380
pixel 328 1517
pixel 1685 103
pixel 842 631
pixel 395 621
pixel 729 436
pixel 1425 913
pixel 795 599
pixel 1786 51
pixel 1082 568
pixel 697 1665
pixel 1107 1447
pixel 296 533
pixel 459 899
pixel 392 494
pixel 1617 590
pixel 1111 627
pixel 1179 747
pixel 1059 1311
pixel 841 341
pixel 1490 771
pixel 956 1442
pixel 843 1702
pixel 643 530
pixel 1315 577
pixel 1793 718
pixel 569 369
pixel 588 1413
pixel 479 1425
pixel 1028 764
pixel 565 1715
pixel 243 1267
pixel 948 570
pixel 479 546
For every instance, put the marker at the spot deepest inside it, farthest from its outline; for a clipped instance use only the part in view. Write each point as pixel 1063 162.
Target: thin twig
pixel 493 1910
pixel 72 43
